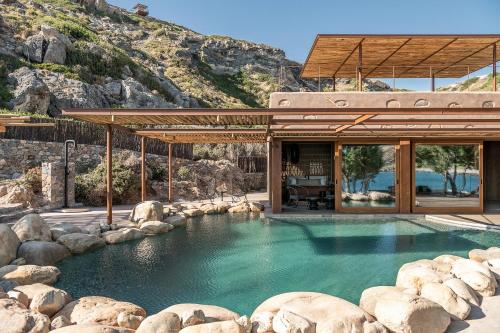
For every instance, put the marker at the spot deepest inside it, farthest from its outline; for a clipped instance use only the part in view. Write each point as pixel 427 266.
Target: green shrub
pixel 70 73
pixel 184 173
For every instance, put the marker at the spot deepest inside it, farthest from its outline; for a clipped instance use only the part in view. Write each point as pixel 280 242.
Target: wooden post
pixel 170 177
pixel 109 174
pixel 405 176
pixel 494 67
pixel 360 67
pixel 338 177
pixel 269 169
pixel 276 180
pixel 433 82
pixel 334 84
pixel 143 168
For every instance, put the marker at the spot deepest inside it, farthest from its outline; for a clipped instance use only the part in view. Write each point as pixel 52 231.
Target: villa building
pixel 391 151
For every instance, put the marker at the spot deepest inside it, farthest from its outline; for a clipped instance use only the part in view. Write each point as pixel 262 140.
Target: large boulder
pixel 42 253
pixel 242 207
pixel 39 289
pixel 48 46
pixel 122 235
pixel 147 211
pixel 15 318
pixel 227 326
pixel 457 307
pixel 370 296
pixel 128 320
pixel 162 322
pixel 415 274
pixel 9 242
pixel 194 212
pixel 192 317
pixel 136 95
pixel 481 255
pixel 209 209
pixel 49 302
pixel 92 328
pixel 329 313
pixel 402 312
pixel 81 243
pixel 155 227
pixel 60 229
pixel 99 310
pixel 212 312
pixel 30 94
pixel 29 274
pixel 176 220
pixel 56 52
pixel 462 290
pixel 32 227
pixel 476 275
pixel 288 322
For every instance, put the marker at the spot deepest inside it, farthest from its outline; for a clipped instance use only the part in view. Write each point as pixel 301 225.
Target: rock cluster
pixel 427 296
pixel 48 46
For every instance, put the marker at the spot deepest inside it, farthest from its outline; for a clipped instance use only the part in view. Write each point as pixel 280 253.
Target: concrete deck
pixel 484 319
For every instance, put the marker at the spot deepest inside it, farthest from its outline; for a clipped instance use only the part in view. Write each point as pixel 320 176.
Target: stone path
pixel 120 213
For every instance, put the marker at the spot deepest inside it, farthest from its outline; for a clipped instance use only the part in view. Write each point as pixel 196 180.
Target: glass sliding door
pixel 447 177
pixel 368 177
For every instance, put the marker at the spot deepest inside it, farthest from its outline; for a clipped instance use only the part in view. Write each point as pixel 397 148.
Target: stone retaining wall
pixel 16 156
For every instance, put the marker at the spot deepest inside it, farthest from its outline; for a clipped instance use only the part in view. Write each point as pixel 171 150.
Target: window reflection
pixel 368 176
pixel 447 175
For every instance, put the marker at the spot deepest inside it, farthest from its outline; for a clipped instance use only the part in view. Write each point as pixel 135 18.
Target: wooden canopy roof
pixel 223 126
pixel 407 56
pixel 7 120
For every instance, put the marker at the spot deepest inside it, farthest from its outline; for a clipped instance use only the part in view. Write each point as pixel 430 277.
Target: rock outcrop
pixel 15 318
pixel 30 274
pixel 9 242
pixel 42 253
pixel 32 227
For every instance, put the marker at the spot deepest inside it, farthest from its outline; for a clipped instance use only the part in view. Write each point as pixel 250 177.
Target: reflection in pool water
pixel 237 262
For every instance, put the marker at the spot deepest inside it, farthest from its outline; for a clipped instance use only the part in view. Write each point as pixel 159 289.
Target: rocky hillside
pixel 56 54
pixel 477 83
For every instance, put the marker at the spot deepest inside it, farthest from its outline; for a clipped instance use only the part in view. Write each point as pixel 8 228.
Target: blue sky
pixel 292 25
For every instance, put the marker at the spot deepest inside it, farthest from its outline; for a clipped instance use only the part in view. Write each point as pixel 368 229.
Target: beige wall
pixel 383 99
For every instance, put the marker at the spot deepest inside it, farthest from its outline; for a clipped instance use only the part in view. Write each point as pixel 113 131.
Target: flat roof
pixel 401 56
pixel 256 125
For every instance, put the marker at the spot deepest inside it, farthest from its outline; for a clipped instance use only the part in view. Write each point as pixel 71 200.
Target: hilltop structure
pixel 141 9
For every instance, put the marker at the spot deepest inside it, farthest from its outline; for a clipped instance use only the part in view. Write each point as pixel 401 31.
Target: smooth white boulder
pixel 448 259
pixel 209 209
pixel 262 322
pixel 462 290
pixel 415 274
pixel 64 228
pixel 92 328
pixel 97 309
pixel 288 322
pixel 227 326
pixel 411 313
pixel 370 296
pixel 223 207
pixel 42 253
pixel 79 243
pixel 32 227
pixel 329 313
pixel 481 255
pixel 9 242
pixel 59 322
pixel 476 275
pixel 128 320
pixel 19 296
pixel 192 212
pixel 15 318
pixel 176 220
pixel 212 312
pixel 457 307
pixel 122 235
pixel 147 211
pixel 162 322
pixel 29 274
pixel 37 289
pixel 155 227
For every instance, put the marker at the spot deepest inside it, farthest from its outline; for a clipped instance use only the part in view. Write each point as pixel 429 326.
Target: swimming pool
pixel 239 261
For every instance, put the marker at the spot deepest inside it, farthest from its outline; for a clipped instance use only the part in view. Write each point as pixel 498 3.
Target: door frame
pixel 338 177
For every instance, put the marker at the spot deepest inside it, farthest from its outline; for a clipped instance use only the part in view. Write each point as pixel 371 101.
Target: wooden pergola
pixel 267 125
pixel 400 56
pixel 10 120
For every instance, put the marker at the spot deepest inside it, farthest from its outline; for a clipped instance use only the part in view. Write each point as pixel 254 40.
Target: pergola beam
pixel 356 121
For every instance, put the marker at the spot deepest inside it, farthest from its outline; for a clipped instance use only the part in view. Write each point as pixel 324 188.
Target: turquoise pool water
pixel 238 262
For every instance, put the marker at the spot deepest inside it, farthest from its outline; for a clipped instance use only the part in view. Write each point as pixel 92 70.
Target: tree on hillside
pixel 361 163
pixel 446 160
